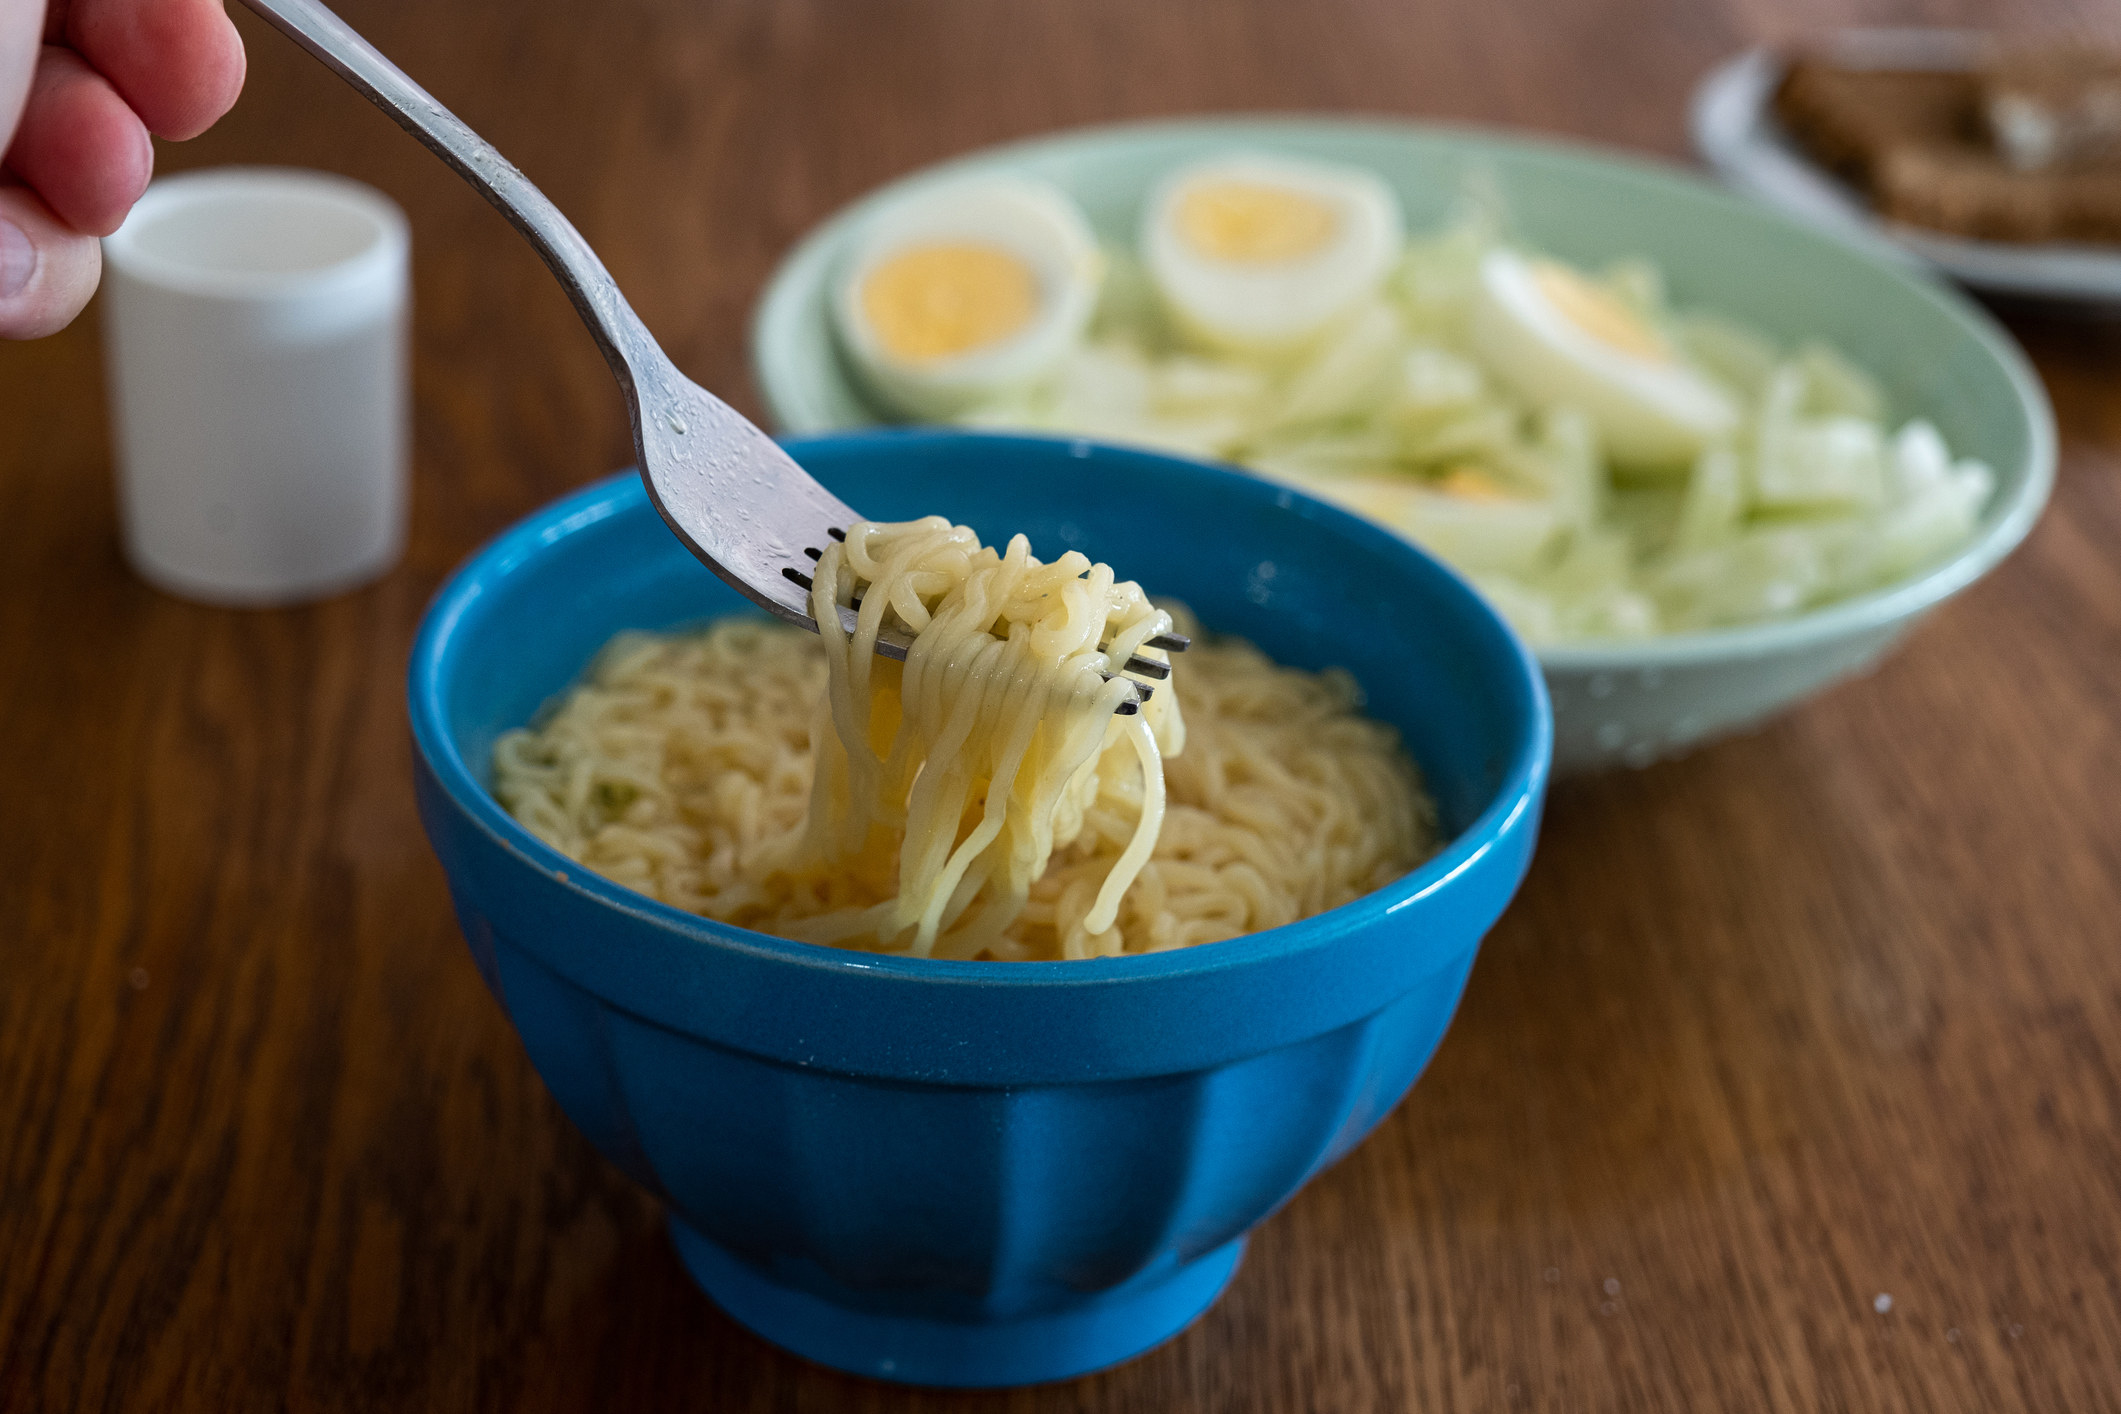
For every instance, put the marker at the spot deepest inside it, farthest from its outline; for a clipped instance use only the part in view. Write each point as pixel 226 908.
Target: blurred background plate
pixel 1735 130
pixel 1937 354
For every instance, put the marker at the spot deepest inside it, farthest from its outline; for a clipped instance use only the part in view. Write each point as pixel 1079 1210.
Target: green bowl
pixel 1938 355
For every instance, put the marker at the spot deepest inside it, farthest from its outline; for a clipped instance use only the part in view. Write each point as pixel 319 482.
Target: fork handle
pixel 616 328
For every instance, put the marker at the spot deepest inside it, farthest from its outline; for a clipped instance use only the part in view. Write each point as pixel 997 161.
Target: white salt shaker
pixel 254 324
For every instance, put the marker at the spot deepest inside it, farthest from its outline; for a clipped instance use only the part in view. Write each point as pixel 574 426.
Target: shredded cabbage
pixel 1816 497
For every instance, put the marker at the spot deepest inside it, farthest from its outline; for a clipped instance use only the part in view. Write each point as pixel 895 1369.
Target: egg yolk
pixel 936 301
pixel 1254 224
pixel 1597 313
pixel 1470 483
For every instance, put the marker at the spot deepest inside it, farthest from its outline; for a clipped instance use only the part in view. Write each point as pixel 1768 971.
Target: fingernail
pixel 18 259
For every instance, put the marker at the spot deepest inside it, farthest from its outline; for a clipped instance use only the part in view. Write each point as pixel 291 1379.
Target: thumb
pixel 47 269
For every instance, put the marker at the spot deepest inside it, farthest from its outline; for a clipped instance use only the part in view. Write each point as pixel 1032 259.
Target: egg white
pixel 1650 411
pixel 1272 307
pixel 1032 222
pixel 1508 534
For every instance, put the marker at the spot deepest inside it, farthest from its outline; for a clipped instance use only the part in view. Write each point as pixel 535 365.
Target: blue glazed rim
pixel 1523 779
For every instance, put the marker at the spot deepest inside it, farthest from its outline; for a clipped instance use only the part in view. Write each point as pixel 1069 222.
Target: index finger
pixel 21 30
pixel 177 63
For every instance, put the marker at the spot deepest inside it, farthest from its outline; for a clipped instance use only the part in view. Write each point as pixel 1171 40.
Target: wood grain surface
pixel 1820 1015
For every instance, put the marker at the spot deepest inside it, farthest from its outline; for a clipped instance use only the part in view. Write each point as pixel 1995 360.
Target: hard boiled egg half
pixel 964 291
pixel 1560 340
pixel 1260 255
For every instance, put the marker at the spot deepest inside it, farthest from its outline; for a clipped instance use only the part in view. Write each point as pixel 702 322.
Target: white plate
pixel 1736 132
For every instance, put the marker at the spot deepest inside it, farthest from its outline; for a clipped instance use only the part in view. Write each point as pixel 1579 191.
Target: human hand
pixel 82 84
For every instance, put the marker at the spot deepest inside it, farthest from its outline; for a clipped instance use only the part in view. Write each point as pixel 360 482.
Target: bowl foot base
pixel 1105 1329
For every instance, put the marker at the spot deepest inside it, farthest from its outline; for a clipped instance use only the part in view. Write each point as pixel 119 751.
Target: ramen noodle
pixel 984 798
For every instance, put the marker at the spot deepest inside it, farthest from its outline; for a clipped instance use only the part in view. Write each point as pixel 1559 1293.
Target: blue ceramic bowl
pixel 964 1173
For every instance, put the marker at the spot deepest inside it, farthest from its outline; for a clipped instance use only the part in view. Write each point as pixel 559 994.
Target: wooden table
pixel 1816 1018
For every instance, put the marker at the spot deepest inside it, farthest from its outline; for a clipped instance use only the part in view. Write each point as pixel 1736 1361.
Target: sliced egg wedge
pixel 966 291
pixel 1466 516
pixel 1559 340
pixel 1472 519
pixel 1261 255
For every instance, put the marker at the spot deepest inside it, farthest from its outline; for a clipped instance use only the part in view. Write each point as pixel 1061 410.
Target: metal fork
pixel 726 489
